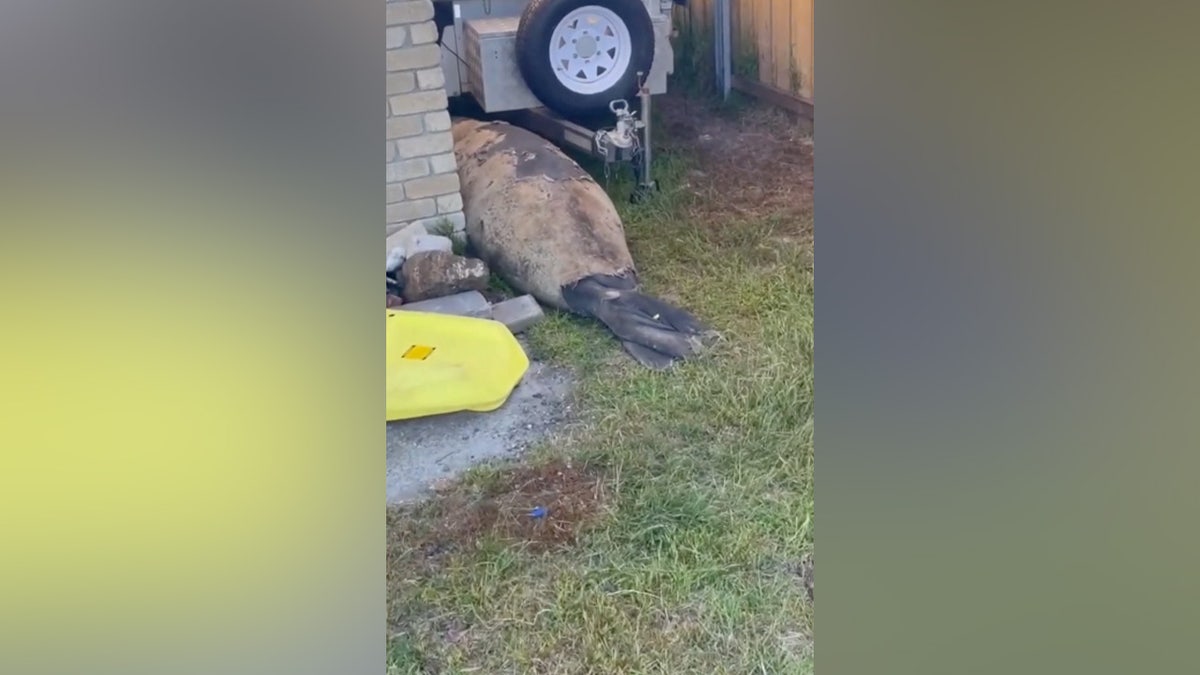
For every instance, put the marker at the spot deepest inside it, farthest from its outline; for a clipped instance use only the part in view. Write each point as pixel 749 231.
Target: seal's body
pixel 543 224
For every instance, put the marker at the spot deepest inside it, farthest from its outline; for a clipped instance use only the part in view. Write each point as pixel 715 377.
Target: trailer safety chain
pixel 611 152
pixel 622 142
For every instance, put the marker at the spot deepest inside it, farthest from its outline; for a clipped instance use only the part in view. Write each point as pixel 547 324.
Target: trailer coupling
pixel 629 141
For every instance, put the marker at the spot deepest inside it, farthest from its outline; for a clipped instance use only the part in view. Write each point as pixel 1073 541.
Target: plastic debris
pixel 538 512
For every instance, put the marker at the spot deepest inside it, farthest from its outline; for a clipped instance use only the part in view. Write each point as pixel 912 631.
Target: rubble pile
pixel 425 274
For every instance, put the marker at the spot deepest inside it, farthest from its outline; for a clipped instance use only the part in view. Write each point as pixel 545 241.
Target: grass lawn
pixel 679 506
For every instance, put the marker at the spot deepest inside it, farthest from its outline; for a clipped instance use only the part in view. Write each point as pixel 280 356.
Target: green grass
pixel 706 509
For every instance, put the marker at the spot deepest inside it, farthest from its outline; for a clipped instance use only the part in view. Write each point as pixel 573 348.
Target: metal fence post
pixel 722 45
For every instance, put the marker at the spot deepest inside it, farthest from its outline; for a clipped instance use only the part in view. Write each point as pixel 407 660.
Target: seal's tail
pixel 654 332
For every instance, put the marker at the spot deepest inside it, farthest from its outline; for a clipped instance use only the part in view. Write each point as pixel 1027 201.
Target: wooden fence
pixel 772 45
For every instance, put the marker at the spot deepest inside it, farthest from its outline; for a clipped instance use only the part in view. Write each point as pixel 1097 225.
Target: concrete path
pixel 420 452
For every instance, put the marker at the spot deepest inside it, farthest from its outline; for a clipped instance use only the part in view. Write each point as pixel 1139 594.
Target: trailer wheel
pixel 579 55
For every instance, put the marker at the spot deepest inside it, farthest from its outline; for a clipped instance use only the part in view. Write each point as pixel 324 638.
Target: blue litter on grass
pixel 538 512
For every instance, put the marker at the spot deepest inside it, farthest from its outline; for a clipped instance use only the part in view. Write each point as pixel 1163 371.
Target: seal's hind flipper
pixel 654 332
pixel 648 357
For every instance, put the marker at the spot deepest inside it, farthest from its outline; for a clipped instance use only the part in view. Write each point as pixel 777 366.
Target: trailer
pixel 579 72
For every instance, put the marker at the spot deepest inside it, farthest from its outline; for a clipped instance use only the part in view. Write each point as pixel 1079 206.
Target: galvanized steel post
pixel 723 46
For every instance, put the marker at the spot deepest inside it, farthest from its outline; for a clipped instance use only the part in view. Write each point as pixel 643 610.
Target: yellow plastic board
pixel 439 363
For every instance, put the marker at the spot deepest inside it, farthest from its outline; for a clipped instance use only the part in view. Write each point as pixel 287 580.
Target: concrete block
pixel 470 303
pixel 429 242
pixel 518 313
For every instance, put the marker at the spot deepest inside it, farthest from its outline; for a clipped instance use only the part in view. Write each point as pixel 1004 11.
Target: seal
pixel 550 230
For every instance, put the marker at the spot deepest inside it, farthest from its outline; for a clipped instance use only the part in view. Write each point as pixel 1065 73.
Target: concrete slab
pixel 420 452
pixel 468 303
pixel 518 313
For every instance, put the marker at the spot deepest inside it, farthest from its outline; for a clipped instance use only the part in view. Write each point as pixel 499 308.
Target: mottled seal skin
pixel 550 230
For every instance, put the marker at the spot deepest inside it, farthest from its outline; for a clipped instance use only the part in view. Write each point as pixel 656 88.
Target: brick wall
pixel 422 176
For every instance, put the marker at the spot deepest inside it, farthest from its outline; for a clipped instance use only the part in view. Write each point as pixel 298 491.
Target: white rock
pixel 395 258
pixel 400 244
pixel 405 236
pixel 429 242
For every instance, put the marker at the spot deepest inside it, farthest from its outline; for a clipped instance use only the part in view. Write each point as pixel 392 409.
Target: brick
pixel 518 313
pixel 443 163
pixel 407 169
pixel 425 145
pixel 431 78
pixel 391 152
pixel 451 203
pixel 397 36
pixel 408 11
pixel 400 83
pixel 414 58
pixel 395 193
pixel 410 210
pixel 424 33
pixel 470 303
pixel 438 121
pixel 419 102
pixel 431 186
pixel 403 126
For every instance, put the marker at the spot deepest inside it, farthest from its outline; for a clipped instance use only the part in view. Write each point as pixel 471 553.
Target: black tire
pixel 535 31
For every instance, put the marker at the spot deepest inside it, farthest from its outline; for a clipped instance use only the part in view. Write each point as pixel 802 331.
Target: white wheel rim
pixel 590 49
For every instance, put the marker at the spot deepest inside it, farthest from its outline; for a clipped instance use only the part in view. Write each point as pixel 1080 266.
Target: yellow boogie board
pixel 439 363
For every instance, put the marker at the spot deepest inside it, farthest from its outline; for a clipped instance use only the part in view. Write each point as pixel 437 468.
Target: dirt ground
pixel 757 163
